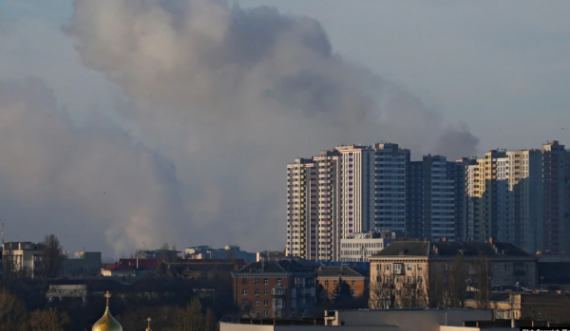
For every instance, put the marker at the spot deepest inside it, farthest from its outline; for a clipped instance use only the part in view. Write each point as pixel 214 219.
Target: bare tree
pixel 51 257
pixel 13 313
pixel 48 320
pixel 435 287
pixel 382 293
pixel 484 282
pixel 456 288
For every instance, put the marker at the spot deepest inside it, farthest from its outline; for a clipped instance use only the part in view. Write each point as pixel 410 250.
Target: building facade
pixel 274 289
pixel 556 198
pixel 341 192
pixel 520 196
pixel 22 257
pixel 436 198
pixel 364 245
pixel 403 274
pixel 313 227
pixel 329 278
pixel 83 265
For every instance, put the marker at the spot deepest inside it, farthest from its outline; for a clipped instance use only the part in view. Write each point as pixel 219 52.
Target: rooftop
pixel 449 248
pixel 276 266
pixel 341 271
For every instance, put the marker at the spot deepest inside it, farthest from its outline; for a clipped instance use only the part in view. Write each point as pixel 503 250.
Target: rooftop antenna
pixel 2 234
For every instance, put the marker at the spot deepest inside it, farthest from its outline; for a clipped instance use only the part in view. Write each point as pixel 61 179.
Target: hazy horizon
pixel 126 124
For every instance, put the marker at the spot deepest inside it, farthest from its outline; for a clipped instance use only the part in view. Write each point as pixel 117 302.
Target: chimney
pixel 444 239
pixel 491 240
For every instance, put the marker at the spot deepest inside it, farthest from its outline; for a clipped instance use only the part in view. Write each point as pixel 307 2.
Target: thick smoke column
pixel 230 95
pixel 93 186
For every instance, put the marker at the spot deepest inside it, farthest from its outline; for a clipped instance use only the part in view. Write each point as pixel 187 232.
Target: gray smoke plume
pixel 93 186
pixel 228 96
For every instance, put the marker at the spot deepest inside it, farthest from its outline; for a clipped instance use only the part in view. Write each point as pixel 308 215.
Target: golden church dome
pixel 107 322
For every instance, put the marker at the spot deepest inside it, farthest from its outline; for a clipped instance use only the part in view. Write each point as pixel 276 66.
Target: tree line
pixel 171 302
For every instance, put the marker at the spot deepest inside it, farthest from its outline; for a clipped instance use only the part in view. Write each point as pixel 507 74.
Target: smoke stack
pixel 491 241
pixel 137 262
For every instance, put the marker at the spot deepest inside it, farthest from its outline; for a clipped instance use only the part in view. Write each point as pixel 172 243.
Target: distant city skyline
pixel 181 134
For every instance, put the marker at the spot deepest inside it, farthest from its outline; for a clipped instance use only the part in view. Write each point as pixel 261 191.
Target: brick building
pixel 329 277
pixel 401 273
pixel 274 289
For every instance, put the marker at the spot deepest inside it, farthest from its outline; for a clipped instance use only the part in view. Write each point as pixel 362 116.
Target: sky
pixel 126 124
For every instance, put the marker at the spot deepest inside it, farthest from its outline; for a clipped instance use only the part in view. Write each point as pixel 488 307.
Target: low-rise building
pixel 527 306
pixel 22 257
pixel 402 273
pixel 85 264
pixel 364 245
pixel 329 278
pixel 230 252
pixel 274 289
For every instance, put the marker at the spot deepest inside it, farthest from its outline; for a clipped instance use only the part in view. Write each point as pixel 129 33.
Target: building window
pixel 244 281
pixel 265 313
pixel 398 279
pixel 353 283
pixel 335 283
pixel 244 303
pixel 257 302
pixel 264 292
pixel 326 283
pixel 265 282
pixel 244 292
pixel 409 279
pixel 388 280
pixel 420 279
pixel 398 292
pixel 256 292
pixel 266 302
pixel 409 266
pixel 387 267
pixel 419 267
pixel 256 281
pixel 279 282
pixel 378 267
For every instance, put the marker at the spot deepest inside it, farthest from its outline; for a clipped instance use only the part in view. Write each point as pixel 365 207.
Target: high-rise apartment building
pixel 555 198
pixel 312 207
pixel 519 197
pixel 435 198
pixel 390 186
pixel 351 189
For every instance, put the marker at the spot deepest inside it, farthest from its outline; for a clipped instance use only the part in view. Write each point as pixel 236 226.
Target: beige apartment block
pixel 405 273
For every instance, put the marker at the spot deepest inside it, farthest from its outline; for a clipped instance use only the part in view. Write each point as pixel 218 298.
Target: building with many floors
pixel 435 198
pixel 348 190
pixel 362 245
pixel 402 273
pixel 275 289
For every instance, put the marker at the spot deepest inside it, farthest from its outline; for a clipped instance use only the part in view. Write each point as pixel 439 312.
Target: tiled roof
pixel 338 272
pixel 451 248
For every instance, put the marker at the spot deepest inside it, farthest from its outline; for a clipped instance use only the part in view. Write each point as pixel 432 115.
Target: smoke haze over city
pixel 151 122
